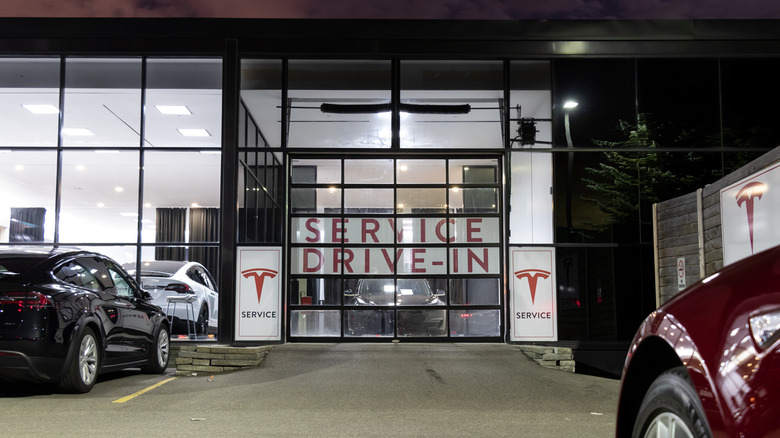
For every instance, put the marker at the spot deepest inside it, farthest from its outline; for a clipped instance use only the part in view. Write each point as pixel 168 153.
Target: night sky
pixel 397 9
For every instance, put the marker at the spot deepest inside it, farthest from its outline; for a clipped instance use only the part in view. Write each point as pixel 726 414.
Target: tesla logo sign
pixel 533 298
pixel 747 195
pixel 749 213
pixel 259 294
pixel 533 275
pixel 259 275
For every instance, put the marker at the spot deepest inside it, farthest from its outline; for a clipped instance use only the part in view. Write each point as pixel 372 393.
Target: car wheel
pixel 671 408
pixel 160 353
pixel 202 325
pixel 84 365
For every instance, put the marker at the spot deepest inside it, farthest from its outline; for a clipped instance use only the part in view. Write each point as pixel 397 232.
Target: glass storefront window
pixel 99 206
pixel 750 96
pixel 369 323
pixel 27 184
pixel 474 291
pixel 604 90
pixel 693 84
pixel 29 101
pixel 102 102
pixel 475 323
pixel 315 323
pixel 191 188
pixel 421 172
pixel 184 102
pixel 260 123
pixel 368 171
pixel 315 291
pixel 339 104
pixel 421 200
pixel 530 106
pixel 368 201
pixel 422 323
pixel 451 104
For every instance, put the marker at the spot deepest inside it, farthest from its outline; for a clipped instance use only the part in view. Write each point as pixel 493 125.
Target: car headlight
pixel 766 329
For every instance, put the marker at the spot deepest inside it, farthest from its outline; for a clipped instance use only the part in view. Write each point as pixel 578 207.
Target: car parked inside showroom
pixel 184 290
pixel 707 363
pixel 68 315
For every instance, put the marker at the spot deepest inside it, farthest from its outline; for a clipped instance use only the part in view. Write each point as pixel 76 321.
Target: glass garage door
pixel 395 248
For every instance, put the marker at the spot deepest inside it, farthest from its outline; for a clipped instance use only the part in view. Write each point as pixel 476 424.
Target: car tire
pixel 160 353
pixel 202 324
pixel 84 365
pixel 671 408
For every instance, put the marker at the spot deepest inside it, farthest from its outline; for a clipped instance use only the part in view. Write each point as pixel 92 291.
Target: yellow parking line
pixel 132 396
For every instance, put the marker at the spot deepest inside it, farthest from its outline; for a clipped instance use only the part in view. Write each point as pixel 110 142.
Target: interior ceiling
pixel 113 116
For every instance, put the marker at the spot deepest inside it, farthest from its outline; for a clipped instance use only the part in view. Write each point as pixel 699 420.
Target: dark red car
pixel 707 363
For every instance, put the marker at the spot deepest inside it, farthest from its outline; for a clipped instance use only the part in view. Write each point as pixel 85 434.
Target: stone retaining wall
pixel 192 359
pixel 559 358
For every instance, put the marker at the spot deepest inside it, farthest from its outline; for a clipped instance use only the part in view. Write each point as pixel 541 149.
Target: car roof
pixel 169 266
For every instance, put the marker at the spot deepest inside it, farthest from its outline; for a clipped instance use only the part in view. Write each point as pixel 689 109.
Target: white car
pixel 184 289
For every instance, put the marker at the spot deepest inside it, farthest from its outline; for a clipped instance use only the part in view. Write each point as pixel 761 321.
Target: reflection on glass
pixel 29 101
pixel 369 322
pixel 473 322
pixel 99 197
pixel 102 102
pixel 422 323
pixel 315 323
pixel 473 171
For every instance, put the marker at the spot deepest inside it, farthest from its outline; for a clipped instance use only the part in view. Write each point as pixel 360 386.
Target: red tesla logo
pixel 747 195
pixel 259 275
pixel 533 275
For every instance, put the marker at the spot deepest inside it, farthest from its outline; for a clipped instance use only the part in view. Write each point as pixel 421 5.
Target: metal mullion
pixel 58 182
pixel 141 171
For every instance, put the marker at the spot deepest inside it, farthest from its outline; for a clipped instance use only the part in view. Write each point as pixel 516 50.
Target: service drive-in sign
pixel 533 311
pixel 259 298
pixel 748 210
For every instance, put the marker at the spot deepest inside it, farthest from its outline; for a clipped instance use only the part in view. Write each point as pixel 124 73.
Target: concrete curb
pixel 559 358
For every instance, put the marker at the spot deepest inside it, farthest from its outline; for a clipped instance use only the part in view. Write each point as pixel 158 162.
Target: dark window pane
pixel 750 96
pixel 679 99
pixel 604 91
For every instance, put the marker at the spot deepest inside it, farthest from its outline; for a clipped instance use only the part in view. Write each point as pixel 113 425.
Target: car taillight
pixel 765 329
pixel 179 288
pixel 25 299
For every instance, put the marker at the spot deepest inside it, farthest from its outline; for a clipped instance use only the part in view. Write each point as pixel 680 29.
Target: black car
pixel 68 315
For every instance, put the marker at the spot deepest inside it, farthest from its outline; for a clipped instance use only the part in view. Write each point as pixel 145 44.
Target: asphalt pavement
pixel 332 390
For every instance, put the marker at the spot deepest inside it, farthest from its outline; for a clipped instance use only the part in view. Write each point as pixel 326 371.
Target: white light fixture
pixel 570 104
pixel 193 132
pixel 19 167
pixel 119 189
pixel 173 110
pixel 41 109
pixel 80 132
pixel 80 168
pixel 101 205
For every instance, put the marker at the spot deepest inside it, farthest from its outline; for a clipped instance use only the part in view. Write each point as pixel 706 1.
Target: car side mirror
pixel 146 296
pixel 439 293
pixel 349 293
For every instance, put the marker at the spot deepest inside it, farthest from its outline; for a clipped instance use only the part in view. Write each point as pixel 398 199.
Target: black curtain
pixel 27 224
pixel 170 224
pixel 204 228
